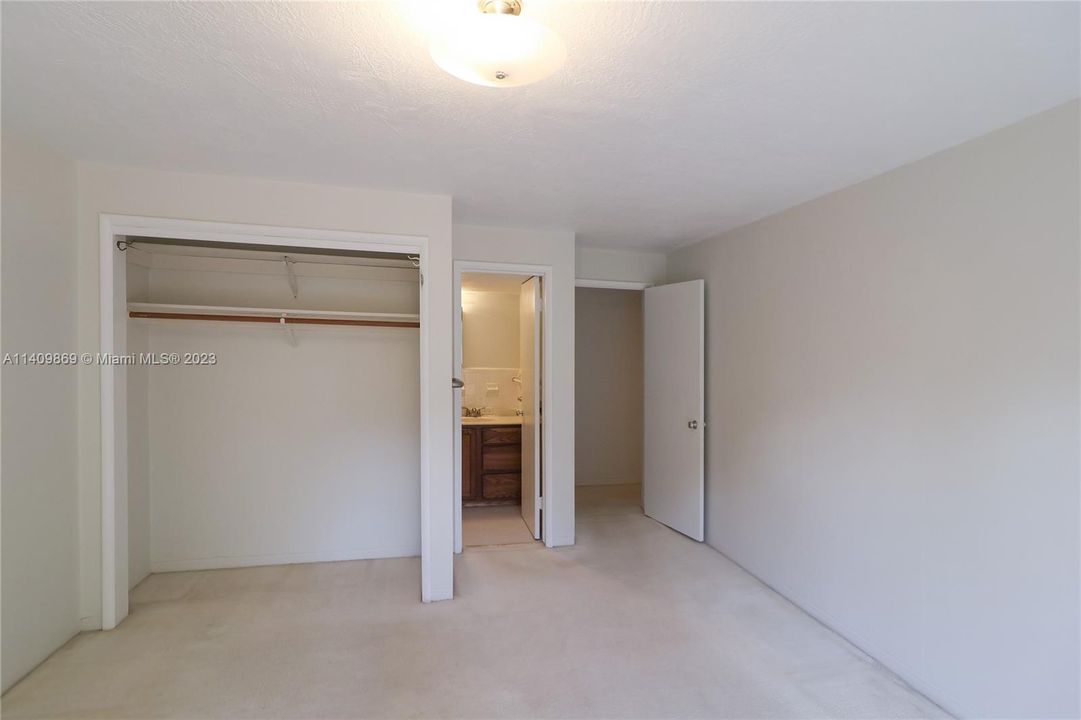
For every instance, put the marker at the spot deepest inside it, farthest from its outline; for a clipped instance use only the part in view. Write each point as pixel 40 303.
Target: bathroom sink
pixel 493 420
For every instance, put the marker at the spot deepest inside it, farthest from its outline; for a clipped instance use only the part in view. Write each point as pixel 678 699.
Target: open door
pixel 529 333
pixel 457 384
pixel 673 446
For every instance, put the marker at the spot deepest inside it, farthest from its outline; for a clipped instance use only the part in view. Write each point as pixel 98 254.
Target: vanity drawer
pixel 502 436
pixel 501 458
pixel 504 486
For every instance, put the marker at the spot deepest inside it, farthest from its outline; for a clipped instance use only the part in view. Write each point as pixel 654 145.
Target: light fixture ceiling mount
pixel 498 46
pixel 502 7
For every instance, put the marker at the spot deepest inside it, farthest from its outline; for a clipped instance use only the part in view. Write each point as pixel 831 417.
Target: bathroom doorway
pixel 500 328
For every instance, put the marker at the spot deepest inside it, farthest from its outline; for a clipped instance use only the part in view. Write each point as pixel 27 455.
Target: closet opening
pixel 267 410
pixel 500 363
pixel 609 411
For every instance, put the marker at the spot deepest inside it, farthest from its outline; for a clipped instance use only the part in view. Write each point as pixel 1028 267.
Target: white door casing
pixel 673 443
pixel 436 550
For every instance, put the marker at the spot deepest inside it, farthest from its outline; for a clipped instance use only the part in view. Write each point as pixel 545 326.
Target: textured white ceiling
pixel 669 122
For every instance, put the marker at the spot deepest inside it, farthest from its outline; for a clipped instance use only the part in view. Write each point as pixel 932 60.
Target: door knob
pixel 693 424
pixel 456 383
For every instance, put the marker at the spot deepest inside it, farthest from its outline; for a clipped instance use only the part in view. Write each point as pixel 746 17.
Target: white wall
pixel 608 386
pixel 178 278
pixel 282 454
pixel 40 560
pixel 489 330
pixel 893 414
pixel 109 189
pixel 626 265
pixel 555 249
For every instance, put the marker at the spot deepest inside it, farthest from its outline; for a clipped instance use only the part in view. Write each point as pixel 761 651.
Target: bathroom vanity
pixel 491 461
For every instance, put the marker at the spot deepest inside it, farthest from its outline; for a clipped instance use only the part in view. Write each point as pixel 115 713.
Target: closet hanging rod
pixel 273 320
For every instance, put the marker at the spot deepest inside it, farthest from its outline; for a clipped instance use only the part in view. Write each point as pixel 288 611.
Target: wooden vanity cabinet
pixel 491 465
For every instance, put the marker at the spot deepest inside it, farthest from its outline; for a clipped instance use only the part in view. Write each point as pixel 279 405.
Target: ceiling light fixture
pixel 497 47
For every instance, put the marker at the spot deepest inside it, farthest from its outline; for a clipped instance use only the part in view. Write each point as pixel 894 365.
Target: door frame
pixel 545 272
pixel 611 284
pixel 113 338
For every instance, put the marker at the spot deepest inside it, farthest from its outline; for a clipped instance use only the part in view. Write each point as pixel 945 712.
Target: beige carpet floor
pixel 635 621
pixel 500 525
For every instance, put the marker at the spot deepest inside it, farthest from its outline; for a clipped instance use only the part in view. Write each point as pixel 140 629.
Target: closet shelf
pixel 280 316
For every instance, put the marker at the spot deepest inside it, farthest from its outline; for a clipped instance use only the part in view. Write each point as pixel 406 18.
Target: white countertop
pixel 493 420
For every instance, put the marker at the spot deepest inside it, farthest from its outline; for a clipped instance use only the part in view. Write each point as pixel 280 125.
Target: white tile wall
pixel 492 389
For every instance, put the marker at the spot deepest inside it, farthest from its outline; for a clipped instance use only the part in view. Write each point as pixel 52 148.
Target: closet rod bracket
pixel 292 274
pixel 288 330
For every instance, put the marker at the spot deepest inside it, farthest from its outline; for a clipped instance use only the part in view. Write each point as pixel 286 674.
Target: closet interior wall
pixel 608 406
pixel 297 443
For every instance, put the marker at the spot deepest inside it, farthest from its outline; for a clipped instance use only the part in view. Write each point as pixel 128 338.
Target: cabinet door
pixel 501 458
pixel 502 436
pixel 469 484
pixel 502 486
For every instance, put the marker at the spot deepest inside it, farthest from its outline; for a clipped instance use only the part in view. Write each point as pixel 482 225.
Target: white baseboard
pixel 600 482
pixel 136 581
pixel 90 622
pixel 235 561
pixel 911 676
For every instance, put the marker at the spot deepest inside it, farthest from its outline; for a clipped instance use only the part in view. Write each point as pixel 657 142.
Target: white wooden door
pixel 673 445
pixel 457 384
pixel 529 334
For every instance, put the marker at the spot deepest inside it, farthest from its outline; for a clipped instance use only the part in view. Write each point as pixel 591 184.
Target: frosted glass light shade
pixel 498 50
